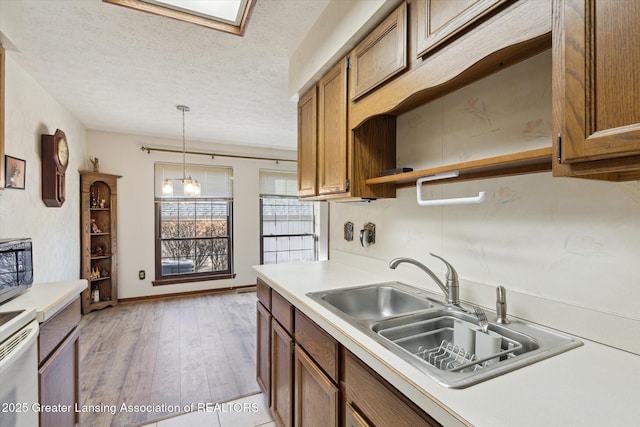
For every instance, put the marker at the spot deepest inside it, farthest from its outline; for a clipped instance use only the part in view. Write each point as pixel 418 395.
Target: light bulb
pixel 167 187
pixel 188 187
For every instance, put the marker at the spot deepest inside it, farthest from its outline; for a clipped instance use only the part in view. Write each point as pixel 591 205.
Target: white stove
pixel 19 367
pixel 12 321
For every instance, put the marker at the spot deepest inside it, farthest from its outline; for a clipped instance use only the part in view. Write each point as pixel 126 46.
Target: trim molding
pixel 239 289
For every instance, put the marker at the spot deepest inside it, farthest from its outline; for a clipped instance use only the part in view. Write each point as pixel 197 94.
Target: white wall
pixel 561 239
pixel 338 29
pixel 120 154
pixel 30 112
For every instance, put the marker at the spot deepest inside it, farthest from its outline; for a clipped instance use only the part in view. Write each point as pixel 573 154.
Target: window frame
pixel 314 234
pixel 190 277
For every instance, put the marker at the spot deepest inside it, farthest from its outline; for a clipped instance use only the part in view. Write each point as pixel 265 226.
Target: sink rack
pixel 437 347
pixel 450 357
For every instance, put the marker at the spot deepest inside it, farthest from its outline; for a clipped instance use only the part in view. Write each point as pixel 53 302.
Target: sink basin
pixel 376 301
pixel 421 329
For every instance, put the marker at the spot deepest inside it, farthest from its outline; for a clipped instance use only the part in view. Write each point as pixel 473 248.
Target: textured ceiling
pixel 122 70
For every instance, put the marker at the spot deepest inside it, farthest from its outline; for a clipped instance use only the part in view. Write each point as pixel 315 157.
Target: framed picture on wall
pixel 15 170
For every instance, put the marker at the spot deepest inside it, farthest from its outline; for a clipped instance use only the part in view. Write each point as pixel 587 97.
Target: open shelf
pixel 99 250
pixel 525 162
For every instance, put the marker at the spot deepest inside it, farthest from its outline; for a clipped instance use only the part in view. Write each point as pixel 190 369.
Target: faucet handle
pixel 453 289
pixel 452 274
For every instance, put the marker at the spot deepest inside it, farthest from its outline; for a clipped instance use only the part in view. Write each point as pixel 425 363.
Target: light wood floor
pixel 174 351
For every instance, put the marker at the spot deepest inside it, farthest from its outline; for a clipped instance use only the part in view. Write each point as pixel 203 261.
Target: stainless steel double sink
pixel 437 338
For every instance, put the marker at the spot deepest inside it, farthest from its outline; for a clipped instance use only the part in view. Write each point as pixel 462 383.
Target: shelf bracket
pixel 444 202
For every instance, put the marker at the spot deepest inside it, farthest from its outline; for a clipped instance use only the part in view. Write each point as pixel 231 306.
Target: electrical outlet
pixel 142 274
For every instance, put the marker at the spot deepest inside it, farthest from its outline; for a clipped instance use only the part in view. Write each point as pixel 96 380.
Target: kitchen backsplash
pixel 566 240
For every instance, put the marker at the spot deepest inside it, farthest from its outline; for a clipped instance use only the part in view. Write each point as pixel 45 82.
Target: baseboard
pixel 238 289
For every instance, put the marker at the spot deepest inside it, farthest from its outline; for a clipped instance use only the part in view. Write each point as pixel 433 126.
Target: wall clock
pixel 55 159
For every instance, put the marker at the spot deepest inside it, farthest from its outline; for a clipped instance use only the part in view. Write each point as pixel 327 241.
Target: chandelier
pixel 190 186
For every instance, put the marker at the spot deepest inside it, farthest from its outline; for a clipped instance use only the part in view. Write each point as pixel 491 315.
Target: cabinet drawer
pixel 377 400
pixel 320 345
pixel 263 291
pixel 54 330
pixel 380 56
pixel 282 311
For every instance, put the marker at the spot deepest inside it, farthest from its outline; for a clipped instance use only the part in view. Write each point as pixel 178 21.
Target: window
pixel 288 227
pixel 229 16
pixel 194 234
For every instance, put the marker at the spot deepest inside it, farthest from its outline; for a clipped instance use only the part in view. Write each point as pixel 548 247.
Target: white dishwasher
pixel 19 369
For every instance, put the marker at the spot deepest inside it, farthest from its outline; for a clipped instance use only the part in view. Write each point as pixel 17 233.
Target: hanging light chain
pixel 184 109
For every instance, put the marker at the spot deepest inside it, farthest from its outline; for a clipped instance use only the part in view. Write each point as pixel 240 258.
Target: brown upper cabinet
pixel 597 89
pixel 345 159
pixel 440 21
pixel 332 131
pixel 308 143
pixel 381 55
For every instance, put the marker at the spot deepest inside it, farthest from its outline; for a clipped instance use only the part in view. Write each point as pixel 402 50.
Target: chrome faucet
pixel 452 288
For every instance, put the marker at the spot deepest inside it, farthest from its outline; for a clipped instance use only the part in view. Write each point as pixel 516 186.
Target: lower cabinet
pixel 316 397
pixel 58 366
pixel 309 379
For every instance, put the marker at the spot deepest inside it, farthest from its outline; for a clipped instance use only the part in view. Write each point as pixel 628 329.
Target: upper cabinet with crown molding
pixel 440 21
pixel 381 55
pixel 597 89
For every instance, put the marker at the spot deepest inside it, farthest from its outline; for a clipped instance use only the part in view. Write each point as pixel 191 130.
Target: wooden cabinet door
pixel 263 348
pixel 281 375
pixel 58 378
pixel 307 143
pixel 380 56
pixel 598 82
pixel 316 397
pixel 441 20
pixel 332 131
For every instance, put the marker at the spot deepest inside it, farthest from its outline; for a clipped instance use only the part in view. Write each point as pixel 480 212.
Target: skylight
pixel 224 15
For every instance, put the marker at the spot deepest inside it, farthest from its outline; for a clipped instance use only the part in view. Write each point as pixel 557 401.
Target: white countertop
pixel 592 385
pixel 47 298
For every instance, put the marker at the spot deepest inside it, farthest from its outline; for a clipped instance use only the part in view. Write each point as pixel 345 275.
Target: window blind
pixel 278 183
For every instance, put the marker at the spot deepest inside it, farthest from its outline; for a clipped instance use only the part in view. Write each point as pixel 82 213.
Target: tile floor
pixel 249 411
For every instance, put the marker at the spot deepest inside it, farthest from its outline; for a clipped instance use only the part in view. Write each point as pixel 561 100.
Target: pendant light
pixel 190 186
